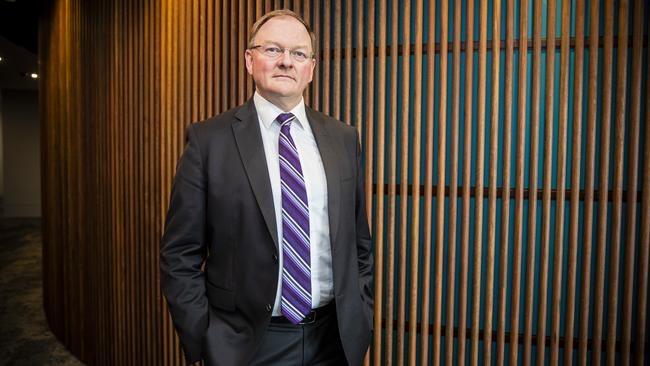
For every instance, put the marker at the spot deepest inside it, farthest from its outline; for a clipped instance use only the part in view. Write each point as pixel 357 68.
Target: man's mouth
pixel 284 77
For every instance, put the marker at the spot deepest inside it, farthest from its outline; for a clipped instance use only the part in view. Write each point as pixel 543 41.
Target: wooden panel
pixel 547 177
pixel 616 218
pixel 122 79
pixel 381 167
pixel 492 195
pixel 404 185
pixel 415 188
pixel 633 175
pixel 589 178
pixel 428 187
pixel 391 232
pixel 453 187
pixel 644 245
pixel 505 201
pixel 466 178
pixel 575 182
pixel 520 156
pixel 533 176
pixel 440 191
pixel 601 236
pixel 560 184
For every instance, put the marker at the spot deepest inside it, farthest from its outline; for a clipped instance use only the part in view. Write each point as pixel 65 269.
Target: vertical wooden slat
pixel 129 158
pixel 218 65
pixel 505 198
pixel 147 225
pixel 415 183
pixel 440 191
pixel 210 61
pixel 392 186
pixel 250 19
pixel 358 92
pixel 547 176
pixel 533 181
pixel 369 103
pixel 156 177
pixel 337 64
pixel 347 80
pixel 632 184
pixel 225 52
pixel 166 130
pixel 259 4
pixel 238 49
pixel 381 154
pixel 603 186
pixel 200 13
pixel 182 119
pixel 617 211
pixel 316 81
pixel 575 182
pixel 522 97
pixel 558 250
pixel 590 151
pixel 453 187
pixel 428 186
pixel 404 183
pixel 479 182
pixel 327 48
pixel 644 242
pixel 308 19
pixel 493 170
pixel 234 73
pixel 466 178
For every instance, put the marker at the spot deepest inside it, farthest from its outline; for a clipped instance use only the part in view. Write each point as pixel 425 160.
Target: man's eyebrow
pixel 282 46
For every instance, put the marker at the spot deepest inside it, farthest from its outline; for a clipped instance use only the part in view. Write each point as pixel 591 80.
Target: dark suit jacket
pixel 221 213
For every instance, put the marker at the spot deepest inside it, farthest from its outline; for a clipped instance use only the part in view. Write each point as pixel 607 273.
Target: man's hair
pixel 281 13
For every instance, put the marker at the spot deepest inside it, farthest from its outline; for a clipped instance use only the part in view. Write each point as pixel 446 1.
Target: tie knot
pixel 285 118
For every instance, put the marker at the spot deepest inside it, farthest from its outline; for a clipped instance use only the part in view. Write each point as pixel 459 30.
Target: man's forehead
pixel 284 29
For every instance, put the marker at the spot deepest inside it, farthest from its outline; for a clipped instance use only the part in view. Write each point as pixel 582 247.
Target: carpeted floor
pixel 25 338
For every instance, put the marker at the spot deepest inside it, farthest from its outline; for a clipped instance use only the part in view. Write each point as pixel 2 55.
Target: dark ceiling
pixel 19 22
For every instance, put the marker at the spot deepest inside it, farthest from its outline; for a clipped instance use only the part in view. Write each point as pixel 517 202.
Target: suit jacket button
pixel 275 258
pixel 269 307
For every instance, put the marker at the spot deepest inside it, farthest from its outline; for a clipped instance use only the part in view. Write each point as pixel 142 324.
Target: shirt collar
pixel 267 112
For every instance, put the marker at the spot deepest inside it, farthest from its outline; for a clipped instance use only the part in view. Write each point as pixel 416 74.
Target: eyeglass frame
pixel 284 50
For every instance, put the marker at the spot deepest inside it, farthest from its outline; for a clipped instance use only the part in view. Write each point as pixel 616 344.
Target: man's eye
pixel 299 54
pixel 273 50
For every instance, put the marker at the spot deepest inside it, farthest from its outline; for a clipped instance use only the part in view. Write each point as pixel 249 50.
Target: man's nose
pixel 285 59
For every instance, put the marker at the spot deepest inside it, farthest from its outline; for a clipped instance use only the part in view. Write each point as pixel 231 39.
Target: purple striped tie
pixel 296 269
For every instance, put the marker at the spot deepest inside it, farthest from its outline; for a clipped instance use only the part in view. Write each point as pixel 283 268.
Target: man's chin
pixel 284 93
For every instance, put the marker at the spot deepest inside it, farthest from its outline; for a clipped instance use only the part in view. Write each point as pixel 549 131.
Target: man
pixel 269 198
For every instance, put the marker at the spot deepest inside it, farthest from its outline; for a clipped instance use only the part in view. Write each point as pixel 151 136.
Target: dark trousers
pixel 317 344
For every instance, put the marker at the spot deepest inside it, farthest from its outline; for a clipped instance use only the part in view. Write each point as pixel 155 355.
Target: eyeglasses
pixel 274 52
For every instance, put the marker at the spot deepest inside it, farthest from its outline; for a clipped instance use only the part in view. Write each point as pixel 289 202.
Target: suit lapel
pixel 326 147
pixel 251 149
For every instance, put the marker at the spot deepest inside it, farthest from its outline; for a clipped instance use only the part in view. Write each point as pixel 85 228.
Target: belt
pixel 309 318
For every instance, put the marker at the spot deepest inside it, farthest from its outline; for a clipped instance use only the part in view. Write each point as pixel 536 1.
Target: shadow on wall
pixel 21 188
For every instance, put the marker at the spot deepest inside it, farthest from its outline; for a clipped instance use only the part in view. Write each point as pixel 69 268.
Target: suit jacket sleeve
pixel 364 241
pixel 183 249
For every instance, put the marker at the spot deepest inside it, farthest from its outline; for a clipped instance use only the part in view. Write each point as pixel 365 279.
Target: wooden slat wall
pixel 506 205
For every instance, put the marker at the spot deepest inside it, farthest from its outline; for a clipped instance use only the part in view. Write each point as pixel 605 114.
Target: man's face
pixel 281 80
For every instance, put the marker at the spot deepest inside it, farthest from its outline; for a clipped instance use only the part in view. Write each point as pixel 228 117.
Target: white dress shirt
pixel 322 284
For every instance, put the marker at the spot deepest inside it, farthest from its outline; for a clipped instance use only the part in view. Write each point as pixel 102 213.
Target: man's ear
pixel 313 66
pixel 249 61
